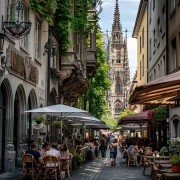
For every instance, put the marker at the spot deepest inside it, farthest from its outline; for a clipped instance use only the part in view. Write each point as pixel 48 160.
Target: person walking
pixel 113 151
pixel 103 146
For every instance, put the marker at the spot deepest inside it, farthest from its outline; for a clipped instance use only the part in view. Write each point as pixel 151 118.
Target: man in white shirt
pixel 53 152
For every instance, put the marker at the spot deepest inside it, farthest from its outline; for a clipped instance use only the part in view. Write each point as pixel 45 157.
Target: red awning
pixel 138 118
pixel 157 91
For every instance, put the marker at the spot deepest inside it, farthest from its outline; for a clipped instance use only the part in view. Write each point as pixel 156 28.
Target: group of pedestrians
pixel 109 142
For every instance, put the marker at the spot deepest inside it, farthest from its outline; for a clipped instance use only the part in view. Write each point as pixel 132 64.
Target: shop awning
pixel 138 118
pixel 157 91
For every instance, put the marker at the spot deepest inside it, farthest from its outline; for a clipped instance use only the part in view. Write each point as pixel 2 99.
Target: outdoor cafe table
pixel 170 175
pixel 157 157
pixel 162 162
pixel 165 166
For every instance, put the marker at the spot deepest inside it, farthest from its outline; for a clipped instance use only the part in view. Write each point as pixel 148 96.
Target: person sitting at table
pixel 135 153
pixel 64 155
pixel 34 151
pixel 53 151
pixel 46 147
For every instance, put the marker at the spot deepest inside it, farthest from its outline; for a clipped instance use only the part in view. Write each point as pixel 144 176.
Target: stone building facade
pixel 119 73
pixel 23 80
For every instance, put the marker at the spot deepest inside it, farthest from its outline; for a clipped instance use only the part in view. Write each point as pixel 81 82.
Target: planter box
pixel 74 164
pixel 176 168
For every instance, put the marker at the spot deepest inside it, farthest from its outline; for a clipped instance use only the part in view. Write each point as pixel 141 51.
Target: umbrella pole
pixel 61 131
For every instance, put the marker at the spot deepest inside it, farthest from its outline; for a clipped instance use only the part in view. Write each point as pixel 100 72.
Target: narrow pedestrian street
pixel 98 170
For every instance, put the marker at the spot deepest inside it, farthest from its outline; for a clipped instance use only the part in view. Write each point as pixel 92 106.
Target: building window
pixel 117 109
pixel 10 10
pixel 89 41
pixel 154 37
pixel 153 4
pixel 118 87
pixel 140 44
pixel 173 62
pixel 150 49
pixel 159 28
pixel 150 12
pixel 24 18
pixel 155 74
pixel 140 70
pixel 142 37
pixel 143 65
pixel 164 63
pixel 37 40
pixel 118 61
pixel 159 71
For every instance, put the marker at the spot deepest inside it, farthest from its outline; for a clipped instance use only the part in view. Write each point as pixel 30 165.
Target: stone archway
pixel 32 104
pixel 6 124
pixel 53 96
pixel 19 132
pixel 175 129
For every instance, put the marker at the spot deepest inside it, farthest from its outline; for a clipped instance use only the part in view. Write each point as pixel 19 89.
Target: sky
pixel 128 11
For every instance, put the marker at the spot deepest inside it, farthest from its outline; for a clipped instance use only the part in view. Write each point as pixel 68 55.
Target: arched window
pixel 118 87
pixel 117 109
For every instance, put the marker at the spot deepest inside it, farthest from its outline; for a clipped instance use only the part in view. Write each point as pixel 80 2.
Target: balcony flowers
pixel 55 74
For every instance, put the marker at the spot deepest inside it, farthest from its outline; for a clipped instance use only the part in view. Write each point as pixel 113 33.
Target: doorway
pixel 16 123
pixel 2 130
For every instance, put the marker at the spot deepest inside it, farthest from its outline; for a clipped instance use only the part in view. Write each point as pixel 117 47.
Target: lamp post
pixel 50 49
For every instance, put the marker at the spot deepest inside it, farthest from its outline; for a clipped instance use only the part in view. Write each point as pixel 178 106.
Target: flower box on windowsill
pixel 55 74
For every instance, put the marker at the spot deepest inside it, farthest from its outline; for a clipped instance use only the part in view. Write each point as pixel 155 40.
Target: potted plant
pixel 164 150
pixel 175 161
pixel 77 158
pixel 57 124
pixel 39 119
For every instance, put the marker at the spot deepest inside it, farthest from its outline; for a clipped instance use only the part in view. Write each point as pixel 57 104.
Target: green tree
pixel 126 112
pixel 107 118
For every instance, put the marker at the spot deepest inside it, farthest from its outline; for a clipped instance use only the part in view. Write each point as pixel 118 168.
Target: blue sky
pixel 128 11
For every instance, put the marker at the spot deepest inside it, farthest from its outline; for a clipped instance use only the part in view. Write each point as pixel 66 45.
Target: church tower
pixel 119 73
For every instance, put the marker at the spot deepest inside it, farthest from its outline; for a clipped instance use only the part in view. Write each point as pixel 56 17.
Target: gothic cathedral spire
pixel 116 26
pixel 116 23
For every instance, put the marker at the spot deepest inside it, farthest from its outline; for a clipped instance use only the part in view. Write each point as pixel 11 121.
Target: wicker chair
pixel 53 161
pixel 29 167
pixel 148 151
pixel 67 166
pixel 131 160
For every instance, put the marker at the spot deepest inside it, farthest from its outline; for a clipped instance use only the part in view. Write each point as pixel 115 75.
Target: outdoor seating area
pixel 164 164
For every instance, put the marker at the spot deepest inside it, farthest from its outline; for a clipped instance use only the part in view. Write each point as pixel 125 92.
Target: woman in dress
pixel 113 151
pixel 64 152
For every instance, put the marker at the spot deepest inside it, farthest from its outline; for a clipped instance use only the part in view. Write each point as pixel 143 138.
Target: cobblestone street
pixel 98 170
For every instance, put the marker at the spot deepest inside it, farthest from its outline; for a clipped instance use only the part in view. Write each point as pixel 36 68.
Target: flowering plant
pixel 55 74
pixel 39 119
pixel 157 115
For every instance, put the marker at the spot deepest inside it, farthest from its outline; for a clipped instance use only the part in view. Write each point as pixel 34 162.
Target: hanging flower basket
pixel 57 124
pixel 47 122
pixel 39 119
pixel 55 74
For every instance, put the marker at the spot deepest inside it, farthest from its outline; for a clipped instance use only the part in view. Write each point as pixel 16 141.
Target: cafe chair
pixel 132 160
pixel 30 168
pixel 67 165
pixel 50 165
pixel 148 151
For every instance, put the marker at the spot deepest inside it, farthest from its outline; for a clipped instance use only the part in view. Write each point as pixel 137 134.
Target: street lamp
pixel 2 35
pixel 50 49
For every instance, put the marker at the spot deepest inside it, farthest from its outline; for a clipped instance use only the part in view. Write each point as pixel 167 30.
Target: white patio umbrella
pixel 61 111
